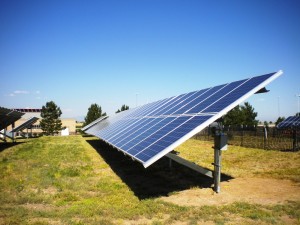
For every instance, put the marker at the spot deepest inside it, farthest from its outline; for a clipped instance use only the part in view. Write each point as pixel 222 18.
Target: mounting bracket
pixel 219 146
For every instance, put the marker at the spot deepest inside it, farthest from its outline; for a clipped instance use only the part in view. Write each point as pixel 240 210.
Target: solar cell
pixel 290 122
pixel 149 132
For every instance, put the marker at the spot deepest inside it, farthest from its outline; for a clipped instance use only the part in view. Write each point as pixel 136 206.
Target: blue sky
pixel 76 53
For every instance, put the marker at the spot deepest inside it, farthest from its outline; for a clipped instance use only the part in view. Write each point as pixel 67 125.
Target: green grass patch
pixel 64 180
pixel 245 162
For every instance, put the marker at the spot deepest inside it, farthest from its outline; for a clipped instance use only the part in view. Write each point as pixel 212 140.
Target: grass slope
pixel 72 180
pixel 245 162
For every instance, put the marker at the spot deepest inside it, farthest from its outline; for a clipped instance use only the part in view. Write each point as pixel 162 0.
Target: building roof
pixel 28 110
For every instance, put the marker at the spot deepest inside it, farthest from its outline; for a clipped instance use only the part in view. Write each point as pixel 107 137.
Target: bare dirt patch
pixel 263 191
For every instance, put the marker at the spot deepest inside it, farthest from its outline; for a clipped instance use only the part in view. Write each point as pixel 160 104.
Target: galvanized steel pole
pixel 219 146
pixel 217 169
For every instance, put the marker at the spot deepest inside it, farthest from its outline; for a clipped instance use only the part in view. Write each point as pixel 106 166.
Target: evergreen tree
pixel 94 112
pixel 50 123
pixel 241 115
pixel 279 120
pixel 123 108
pixel 233 117
pixel 248 115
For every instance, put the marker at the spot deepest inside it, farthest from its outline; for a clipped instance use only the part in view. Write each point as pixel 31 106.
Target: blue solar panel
pixel 149 132
pixel 290 122
pixel 94 123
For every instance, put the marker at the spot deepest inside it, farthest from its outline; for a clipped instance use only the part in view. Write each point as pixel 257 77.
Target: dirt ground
pixel 251 190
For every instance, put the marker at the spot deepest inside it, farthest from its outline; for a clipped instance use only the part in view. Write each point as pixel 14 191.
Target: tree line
pixel 95 112
pixel 51 124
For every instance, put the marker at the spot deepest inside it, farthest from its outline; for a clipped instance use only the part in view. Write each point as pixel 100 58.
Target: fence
pixel 257 137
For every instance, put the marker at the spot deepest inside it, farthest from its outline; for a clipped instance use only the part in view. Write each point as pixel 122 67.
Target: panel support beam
pixel 190 165
pixel 219 146
pixel 13 133
pixel 7 135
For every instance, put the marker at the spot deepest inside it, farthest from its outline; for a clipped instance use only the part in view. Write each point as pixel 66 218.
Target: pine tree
pixel 241 115
pixel 248 115
pixel 94 112
pixel 279 120
pixel 233 117
pixel 123 108
pixel 50 123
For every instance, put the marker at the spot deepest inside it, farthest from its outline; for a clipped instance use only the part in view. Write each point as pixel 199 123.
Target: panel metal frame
pixel 95 122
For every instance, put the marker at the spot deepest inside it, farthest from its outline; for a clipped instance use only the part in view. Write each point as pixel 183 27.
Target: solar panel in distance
pixel 26 124
pixel 290 122
pixel 149 132
pixel 8 117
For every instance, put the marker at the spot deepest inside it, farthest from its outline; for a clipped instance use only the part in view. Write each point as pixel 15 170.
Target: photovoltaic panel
pixel 26 124
pixel 95 122
pixel 8 117
pixel 149 132
pixel 290 122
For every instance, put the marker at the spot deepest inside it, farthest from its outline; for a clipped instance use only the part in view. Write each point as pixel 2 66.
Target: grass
pixel 245 162
pixel 279 142
pixel 76 180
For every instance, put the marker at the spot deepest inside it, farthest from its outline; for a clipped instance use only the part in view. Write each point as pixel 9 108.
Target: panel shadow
pixel 157 180
pixel 5 145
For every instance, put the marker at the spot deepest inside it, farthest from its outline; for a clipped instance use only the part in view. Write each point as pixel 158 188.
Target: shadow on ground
pixel 157 180
pixel 5 145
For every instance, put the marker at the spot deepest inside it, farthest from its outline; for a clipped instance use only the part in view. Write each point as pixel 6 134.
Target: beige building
pixel 68 123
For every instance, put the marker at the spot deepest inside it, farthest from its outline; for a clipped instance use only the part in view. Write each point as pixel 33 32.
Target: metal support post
pixel 13 133
pixel 220 145
pixel 217 169
pixel 4 136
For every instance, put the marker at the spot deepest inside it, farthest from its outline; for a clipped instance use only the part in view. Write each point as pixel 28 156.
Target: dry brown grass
pixel 75 180
pixel 245 162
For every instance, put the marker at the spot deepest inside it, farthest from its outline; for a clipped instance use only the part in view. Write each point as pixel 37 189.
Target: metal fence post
pixel 294 139
pixel 265 137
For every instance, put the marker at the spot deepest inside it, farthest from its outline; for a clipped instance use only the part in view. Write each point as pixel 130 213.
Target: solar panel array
pixel 8 117
pixel 290 122
pixel 149 132
pixel 26 124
